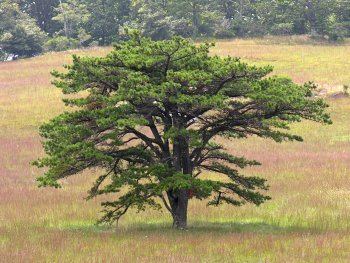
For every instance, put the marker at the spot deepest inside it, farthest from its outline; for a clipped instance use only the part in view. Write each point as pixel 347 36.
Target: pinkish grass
pixel 307 220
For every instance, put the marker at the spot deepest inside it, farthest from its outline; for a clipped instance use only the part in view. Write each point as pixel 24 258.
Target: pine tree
pixel 149 120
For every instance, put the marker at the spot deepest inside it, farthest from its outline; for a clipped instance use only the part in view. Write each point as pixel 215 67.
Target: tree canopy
pixel 19 34
pixel 148 116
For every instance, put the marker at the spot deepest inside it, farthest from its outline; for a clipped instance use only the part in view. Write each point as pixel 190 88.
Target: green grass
pixel 307 220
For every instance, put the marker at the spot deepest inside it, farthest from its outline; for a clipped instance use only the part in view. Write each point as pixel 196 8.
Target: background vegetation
pixel 64 24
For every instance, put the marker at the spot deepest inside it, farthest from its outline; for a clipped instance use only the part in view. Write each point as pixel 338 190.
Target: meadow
pixel 307 220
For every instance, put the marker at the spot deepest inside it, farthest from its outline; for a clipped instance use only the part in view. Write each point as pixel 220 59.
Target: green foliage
pixel 106 19
pixel 154 20
pixel 72 15
pixel 282 29
pixel 19 35
pixel 147 118
pixel 335 29
pixel 83 22
pixel 242 17
pixel 42 11
pixel 60 43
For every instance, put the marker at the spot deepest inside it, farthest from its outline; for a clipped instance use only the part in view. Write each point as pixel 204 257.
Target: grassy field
pixel 308 219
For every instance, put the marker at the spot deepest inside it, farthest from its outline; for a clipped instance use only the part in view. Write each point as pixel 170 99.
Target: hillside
pixel 307 220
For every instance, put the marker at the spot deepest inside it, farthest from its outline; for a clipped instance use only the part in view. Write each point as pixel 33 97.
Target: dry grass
pixel 327 65
pixel 308 219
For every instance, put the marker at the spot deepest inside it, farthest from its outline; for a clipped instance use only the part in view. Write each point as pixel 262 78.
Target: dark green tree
pixel 157 19
pixel 90 22
pixel 72 15
pixel 19 34
pixel 149 120
pixel 107 17
pixel 199 13
pixel 43 12
pixel 161 19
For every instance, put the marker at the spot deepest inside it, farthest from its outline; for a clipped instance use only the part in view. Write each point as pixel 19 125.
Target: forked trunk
pixel 179 206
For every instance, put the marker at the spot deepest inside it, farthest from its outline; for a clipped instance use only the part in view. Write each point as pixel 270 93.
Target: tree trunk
pixel 311 18
pixel 195 18
pixel 182 163
pixel 179 204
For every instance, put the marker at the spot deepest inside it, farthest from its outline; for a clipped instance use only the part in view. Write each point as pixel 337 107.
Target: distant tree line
pixel 27 27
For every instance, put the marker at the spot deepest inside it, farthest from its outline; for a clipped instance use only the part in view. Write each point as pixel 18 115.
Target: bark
pixel 179 204
pixel 179 198
pixel 311 17
pixel 182 162
pixel 195 17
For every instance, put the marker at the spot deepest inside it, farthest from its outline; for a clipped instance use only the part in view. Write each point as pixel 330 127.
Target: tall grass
pixel 307 220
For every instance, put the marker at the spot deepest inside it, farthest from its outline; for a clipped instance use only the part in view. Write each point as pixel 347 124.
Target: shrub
pixel 282 29
pixel 335 30
pixel 60 43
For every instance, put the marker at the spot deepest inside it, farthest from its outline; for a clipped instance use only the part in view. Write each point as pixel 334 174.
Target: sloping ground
pixel 308 219
pixel 325 64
